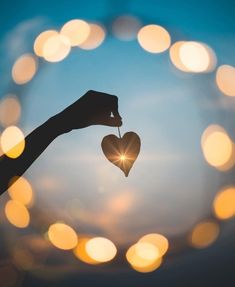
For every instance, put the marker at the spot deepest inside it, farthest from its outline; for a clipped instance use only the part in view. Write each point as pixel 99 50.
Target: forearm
pixel 35 143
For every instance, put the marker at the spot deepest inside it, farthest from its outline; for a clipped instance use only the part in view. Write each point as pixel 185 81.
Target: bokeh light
pixel 56 48
pixel 95 38
pixel 101 249
pixel 24 69
pixel 17 214
pixel 154 38
pixel 12 142
pixel 10 111
pixel 197 57
pixel 81 253
pixel 126 27
pixel 225 79
pixel 62 236
pixel 204 234
pixel 21 191
pixel 77 31
pixel 143 257
pixel 217 148
pixel 158 240
pixel 224 203
pixel 175 56
pixel 41 40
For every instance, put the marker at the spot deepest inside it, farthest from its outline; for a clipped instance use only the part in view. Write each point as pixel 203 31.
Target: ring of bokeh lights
pixel 148 253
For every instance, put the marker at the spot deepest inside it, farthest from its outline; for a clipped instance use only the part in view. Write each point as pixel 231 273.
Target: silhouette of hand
pixel 94 108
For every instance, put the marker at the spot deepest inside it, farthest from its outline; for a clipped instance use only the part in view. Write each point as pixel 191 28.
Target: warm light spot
pixel 62 236
pixel 154 38
pixel 12 142
pixel 143 257
pixel 21 191
pixel 126 27
pixel 224 203
pixel 175 56
pixel 17 214
pixel 158 241
pixel 122 157
pixel 95 38
pixel 77 31
pixel 41 40
pixel 225 79
pixel 10 111
pixel 120 203
pixel 101 249
pixel 24 69
pixel 56 48
pixel 204 234
pixel 217 147
pixel 196 57
pixel 81 253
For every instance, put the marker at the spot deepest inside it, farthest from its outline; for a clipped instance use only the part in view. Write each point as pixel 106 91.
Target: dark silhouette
pixel 94 108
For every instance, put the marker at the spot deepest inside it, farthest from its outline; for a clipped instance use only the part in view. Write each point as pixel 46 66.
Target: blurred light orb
pixel 24 69
pixel 224 203
pixel 225 79
pixel 81 253
pixel 143 257
pixel 56 48
pixel 154 38
pixel 17 214
pixel 217 147
pixel 175 56
pixel 77 31
pixel 12 142
pixel 101 249
pixel 95 39
pixel 196 57
pixel 21 191
pixel 10 111
pixel 158 240
pixel 62 236
pixel 41 40
pixel 204 234
pixel 126 27
pixel 147 251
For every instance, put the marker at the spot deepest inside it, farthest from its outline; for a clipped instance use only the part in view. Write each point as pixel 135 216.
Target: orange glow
pixel 17 214
pixel 81 253
pixel 101 249
pixel 10 111
pixel 62 236
pixel 217 147
pixel 225 79
pixel 56 48
pixel 143 257
pixel 158 240
pixel 21 191
pixel 122 157
pixel 24 69
pixel 12 142
pixel 41 40
pixel 95 38
pixel 175 56
pixel 77 31
pixel 120 203
pixel 154 38
pixel 204 234
pixel 196 57
pixel 224 203
pixel 126 27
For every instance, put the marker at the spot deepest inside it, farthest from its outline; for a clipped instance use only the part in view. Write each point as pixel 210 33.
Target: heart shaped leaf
pixel 122 152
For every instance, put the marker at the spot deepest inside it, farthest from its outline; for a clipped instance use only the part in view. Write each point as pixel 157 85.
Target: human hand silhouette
pixel 94 108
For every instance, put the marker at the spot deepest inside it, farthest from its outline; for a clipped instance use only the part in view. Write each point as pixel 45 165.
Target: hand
pixel 94 108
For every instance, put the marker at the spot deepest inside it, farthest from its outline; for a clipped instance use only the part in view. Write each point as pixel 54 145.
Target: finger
pixel 112 122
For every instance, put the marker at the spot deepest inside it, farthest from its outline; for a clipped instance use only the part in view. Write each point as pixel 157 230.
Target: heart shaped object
pixel 123 151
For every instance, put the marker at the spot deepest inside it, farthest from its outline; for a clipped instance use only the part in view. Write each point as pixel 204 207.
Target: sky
pixel 170 187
